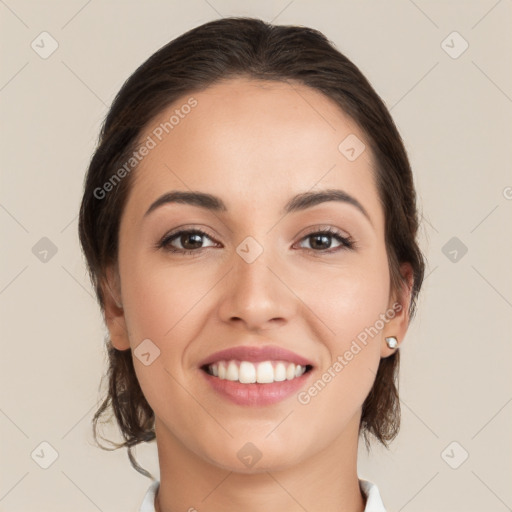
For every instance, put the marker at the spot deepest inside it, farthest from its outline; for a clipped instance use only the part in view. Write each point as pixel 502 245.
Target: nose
pixel 256 295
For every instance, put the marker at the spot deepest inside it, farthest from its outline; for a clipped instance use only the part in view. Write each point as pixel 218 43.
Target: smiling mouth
pixel 264 372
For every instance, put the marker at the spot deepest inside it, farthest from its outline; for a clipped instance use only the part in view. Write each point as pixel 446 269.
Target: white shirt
pixel 370 490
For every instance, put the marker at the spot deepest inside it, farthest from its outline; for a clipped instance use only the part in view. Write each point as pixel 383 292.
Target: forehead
pixel 246 137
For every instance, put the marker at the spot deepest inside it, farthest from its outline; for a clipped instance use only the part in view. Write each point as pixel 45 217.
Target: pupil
pixel 321 242
pixel 192 241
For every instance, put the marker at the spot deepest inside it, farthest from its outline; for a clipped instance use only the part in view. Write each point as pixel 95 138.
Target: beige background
pixel 455 117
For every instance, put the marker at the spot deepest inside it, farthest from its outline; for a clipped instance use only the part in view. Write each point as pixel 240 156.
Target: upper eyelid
pixel 324 227
pixel 310 231
pixel 186 229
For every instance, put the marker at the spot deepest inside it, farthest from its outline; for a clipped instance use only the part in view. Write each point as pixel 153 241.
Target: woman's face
pixel 251 267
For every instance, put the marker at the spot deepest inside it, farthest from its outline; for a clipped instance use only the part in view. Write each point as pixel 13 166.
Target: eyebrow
pixel 297 203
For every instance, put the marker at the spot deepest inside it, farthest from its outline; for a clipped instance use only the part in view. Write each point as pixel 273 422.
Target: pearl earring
pixel 392 342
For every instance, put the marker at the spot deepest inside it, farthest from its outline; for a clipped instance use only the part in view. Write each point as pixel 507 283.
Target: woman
pixel 249 223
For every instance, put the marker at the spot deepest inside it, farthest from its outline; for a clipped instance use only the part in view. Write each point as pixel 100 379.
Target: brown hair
pixel 222 49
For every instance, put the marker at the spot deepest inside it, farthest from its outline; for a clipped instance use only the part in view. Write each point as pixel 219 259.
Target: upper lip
pixel 256 354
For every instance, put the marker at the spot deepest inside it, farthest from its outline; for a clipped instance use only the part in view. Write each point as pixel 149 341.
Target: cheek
pixel 352 304
pixel 160 297
pixel 349 299
pixel 165 303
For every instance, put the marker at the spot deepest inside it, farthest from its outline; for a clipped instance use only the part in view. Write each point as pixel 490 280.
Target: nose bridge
pixel 251 268
pixel 251 273
pixel 254 294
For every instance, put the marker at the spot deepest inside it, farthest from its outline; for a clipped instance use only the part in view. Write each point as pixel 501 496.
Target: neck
pixel 326 482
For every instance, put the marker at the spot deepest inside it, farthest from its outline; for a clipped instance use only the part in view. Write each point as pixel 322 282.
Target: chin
pixel 263 465
pixel 253 457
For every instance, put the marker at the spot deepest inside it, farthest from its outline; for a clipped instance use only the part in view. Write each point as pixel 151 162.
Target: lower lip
pixel 256 394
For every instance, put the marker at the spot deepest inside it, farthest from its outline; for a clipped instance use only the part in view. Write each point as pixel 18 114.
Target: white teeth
pixel 280 372
pixel 265 373
pixel 232 371
pixel 247 372
pixel 221 370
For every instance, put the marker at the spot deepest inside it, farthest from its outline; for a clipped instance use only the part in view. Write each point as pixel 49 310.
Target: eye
pixel 186 241
pixel 327 240
pixel 193 240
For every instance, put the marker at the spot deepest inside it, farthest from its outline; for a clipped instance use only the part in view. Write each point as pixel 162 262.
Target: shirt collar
pixel 369 489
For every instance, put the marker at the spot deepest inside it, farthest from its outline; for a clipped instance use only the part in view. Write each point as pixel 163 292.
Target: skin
pixel 254 144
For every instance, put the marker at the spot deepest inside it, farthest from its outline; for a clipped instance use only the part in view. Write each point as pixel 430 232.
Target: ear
pixel 113 310
pixel 398 311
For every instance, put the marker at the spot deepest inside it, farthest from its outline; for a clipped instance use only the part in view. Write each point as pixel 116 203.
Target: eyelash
pixel 346 241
